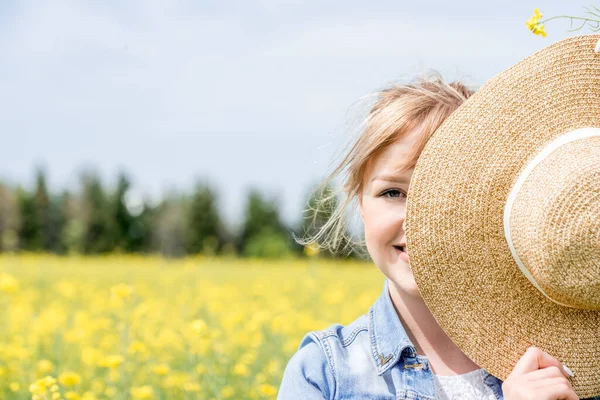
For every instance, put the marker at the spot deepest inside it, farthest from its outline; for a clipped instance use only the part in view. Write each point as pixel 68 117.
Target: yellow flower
pixel 8 284
pixel 176 379
pixel 241 369
pixel 88 396
pixel 533 24
pixel 137 347
pixel 227 392
pixel 311 249
pixel 67 289
pixel 91 356
pixel 41 386
pixel 121 291
pixel 14 386
pixel 112 361
pixel 539 30
pixel 533 21
pixel 44 367
pixel 267 390
pixel 72 396
pixel 161 369
pixel 191 387
pixel 198 326
pixel 142 392
pixel 69 379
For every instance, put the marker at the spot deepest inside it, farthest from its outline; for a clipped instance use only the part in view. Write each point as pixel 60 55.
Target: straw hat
pixel 503 218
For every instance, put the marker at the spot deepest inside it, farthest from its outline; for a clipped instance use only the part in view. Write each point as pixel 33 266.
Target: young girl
pixel 397 350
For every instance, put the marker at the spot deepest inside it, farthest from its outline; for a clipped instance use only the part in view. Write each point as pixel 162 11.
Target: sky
pixel 241 94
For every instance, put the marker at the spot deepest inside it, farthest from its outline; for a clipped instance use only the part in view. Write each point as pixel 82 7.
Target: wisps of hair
pixel 426 103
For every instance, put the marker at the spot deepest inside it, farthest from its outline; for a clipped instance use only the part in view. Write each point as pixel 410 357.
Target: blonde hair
pixel 424 103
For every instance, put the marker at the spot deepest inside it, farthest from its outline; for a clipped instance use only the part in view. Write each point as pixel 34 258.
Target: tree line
pixel 95 219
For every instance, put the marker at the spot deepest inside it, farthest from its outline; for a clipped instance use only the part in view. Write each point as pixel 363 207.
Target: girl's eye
pixel 393 193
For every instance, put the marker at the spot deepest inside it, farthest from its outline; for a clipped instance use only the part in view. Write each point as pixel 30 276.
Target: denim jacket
pixel 372 358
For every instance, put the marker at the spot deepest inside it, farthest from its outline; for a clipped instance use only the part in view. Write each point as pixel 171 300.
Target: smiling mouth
pixel 399 248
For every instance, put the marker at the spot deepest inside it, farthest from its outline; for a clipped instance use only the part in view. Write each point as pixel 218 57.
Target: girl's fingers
pixel 546 373
pixel 535 359
pixel 559 391
pixel 552 382
pixel 538 375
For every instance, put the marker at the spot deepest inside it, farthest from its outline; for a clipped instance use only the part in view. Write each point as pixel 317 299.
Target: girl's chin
pixel 408 286
pixel 402 276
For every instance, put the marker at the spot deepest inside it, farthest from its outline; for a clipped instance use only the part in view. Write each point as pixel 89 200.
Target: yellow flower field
pixel 125 327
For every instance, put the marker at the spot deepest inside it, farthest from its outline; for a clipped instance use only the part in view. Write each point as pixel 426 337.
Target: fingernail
pixel 568 371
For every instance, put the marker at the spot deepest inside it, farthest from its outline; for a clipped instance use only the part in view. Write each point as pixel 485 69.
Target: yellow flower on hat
pixel 533 21
pixel 539 30
pixel 591 20
pixel 534 25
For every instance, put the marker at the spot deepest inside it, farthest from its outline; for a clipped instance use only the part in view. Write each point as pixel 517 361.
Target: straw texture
pixel 455 233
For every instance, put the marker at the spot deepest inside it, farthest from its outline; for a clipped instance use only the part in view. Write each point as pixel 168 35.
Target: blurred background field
pixel 134 327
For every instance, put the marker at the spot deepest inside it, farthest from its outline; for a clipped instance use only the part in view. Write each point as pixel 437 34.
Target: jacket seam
pixel 348 341
pixel 490 381
pixel 321 338
pixel 373 341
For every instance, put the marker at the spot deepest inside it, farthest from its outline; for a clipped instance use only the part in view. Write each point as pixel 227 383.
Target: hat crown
pixel 555 224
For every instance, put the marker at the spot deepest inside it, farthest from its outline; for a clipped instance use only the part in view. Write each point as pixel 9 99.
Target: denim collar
pixel 389 340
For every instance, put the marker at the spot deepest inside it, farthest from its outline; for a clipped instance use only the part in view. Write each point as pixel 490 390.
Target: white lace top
pixel 469 386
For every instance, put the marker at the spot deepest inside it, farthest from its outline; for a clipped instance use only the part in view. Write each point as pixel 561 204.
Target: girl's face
pixel 383 211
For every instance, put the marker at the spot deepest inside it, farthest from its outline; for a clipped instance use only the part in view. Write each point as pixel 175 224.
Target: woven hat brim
pixel 455 234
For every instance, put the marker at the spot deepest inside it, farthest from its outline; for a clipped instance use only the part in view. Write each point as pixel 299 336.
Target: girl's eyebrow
pixel 391 178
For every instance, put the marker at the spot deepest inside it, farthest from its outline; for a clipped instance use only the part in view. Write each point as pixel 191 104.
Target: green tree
pixel 169 227
pixel 204 230
pixel 263 234
pixel 56 223
pixel 140 231
pixel 99 226
pixel 29 232
pixel 122 218
pixel 9 219
pixel 43 211
pixel 74 230
pixel 50 215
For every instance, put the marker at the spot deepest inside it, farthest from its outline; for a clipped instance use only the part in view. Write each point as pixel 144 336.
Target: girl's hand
pixel 538 376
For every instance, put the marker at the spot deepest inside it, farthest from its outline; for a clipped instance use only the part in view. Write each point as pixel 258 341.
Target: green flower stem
pixel 593 23
pixel 568 16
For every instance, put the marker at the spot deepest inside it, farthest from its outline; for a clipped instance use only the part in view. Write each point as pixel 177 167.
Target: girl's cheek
pixel 391 212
